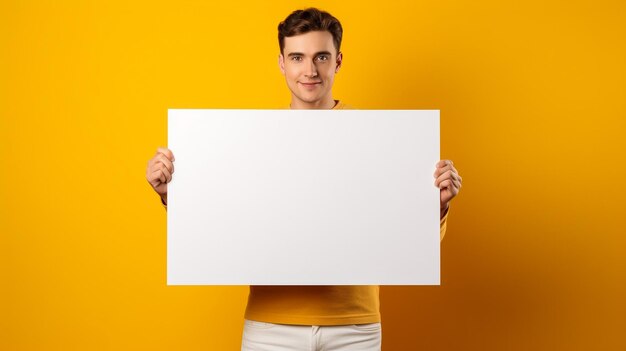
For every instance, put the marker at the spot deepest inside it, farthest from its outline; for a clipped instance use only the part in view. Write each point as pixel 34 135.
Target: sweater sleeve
pixel 443 224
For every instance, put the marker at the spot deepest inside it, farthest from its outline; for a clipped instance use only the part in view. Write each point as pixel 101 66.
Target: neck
pixel 324 104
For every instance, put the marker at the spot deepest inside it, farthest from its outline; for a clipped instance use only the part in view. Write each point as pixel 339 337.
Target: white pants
pixel 261 336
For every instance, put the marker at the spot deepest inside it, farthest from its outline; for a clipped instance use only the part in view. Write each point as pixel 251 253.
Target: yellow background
pixel 532 97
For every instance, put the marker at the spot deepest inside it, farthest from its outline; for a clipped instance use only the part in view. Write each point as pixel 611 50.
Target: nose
pixel 311 70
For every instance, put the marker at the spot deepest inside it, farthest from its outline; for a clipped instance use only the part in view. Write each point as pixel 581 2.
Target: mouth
pixel 310 84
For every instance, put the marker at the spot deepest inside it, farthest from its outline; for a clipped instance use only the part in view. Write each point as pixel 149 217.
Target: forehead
pixel 310 43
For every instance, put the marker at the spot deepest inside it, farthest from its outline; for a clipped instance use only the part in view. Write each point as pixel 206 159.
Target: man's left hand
pixel 448 180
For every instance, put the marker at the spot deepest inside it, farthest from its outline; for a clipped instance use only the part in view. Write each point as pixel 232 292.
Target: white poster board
pixel 303 197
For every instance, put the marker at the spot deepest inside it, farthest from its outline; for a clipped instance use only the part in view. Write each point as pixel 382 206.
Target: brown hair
pixel 308 20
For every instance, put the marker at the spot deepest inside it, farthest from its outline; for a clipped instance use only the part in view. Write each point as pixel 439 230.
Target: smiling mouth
pixel 310 85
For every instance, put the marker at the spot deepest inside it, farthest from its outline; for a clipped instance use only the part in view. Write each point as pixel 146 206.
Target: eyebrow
pixel 316 54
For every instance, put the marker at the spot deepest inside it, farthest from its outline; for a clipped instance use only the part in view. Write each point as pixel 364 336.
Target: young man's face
pixel 309 62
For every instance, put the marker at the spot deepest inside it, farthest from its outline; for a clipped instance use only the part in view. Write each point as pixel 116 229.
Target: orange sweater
pixel 319 304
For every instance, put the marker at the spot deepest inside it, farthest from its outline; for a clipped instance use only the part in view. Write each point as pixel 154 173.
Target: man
pixel 311 317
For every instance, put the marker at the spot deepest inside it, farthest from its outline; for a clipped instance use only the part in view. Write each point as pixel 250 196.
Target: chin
pixel 309 99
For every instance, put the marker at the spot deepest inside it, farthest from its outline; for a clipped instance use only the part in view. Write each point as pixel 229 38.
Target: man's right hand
pixel 160 170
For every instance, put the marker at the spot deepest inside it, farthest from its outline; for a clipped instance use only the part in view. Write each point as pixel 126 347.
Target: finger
pixel 447 175
pixel 451 183
pixel 455 187
pixel 440 180
pixel 443 169
pixel 448 186
pixel 167 152
pixel 155 178
pixel 453 175
pixel 454 190
pixel 456 183
pixel 443 163
pixel 160 158
pixel 445 184
pixel 168 175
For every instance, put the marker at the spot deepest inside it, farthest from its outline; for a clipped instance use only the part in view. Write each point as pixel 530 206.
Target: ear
pixel 281 63
pixel 339 60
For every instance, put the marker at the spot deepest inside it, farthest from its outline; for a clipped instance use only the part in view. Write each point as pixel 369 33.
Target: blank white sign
pixel 303 197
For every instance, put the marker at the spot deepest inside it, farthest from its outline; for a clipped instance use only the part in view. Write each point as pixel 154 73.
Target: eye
pixel 296 58
pixel 322 58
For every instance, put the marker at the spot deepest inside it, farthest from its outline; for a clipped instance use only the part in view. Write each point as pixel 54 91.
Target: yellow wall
pixel 532 97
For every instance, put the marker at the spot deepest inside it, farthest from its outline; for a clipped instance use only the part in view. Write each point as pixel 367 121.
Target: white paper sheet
pixel 303 197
